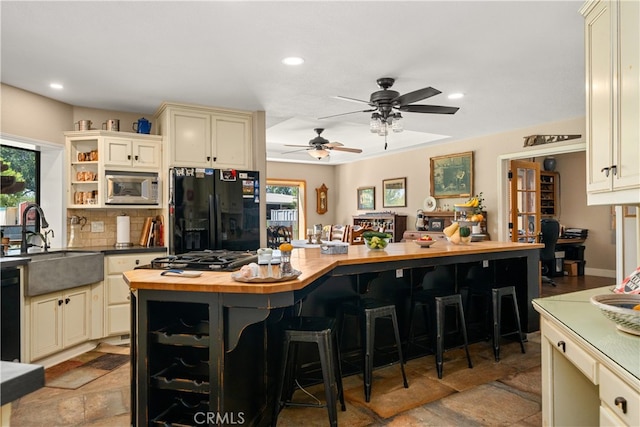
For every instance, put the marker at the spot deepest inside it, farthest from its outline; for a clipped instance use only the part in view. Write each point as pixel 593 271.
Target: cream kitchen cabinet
pixel 207 137
pixel 590 369
pixel 58 321
pixel 612 59
pixel 117 296
pixel 91 153
pixel 134 154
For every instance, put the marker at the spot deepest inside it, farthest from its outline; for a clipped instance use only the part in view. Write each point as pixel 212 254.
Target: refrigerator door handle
pixel 216 221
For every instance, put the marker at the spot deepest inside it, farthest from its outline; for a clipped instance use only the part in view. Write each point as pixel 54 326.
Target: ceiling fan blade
pixel 433 109
pixel 333 144
pixel 289 145
pixel 416 95
pixel 346 98
pixel 295 151
pixel 347 149
pixel 351 112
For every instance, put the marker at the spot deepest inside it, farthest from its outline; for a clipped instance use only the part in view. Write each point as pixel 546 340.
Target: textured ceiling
pixel 519 63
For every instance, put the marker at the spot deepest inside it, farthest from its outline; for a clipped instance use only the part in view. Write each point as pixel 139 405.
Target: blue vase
pixel 549 164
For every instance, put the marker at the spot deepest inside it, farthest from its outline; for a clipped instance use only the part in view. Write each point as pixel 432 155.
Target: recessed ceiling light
pixel 456 95
pixel 56 86
pixel 293 60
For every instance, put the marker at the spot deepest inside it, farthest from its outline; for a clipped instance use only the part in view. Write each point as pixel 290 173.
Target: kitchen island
pixel 199 345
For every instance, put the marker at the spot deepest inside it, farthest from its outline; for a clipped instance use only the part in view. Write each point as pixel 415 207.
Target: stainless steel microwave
pixel 132 188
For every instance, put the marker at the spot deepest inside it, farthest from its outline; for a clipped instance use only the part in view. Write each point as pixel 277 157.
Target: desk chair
pixel 550 232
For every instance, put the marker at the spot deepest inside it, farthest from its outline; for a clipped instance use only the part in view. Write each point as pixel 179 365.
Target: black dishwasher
pixel 10 339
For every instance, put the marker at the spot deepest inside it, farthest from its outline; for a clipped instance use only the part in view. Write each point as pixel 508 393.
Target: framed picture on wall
pixel 366 198
pixel 394 193
pixel 452 175
pixel 436 224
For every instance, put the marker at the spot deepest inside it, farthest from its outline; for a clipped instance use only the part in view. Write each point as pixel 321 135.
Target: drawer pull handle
pixel 621 403
pixel 563 346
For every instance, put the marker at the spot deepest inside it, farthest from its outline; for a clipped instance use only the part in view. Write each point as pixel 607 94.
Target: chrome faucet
pixel 43 221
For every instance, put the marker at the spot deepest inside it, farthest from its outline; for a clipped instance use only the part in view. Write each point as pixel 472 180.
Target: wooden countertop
pixel 313 265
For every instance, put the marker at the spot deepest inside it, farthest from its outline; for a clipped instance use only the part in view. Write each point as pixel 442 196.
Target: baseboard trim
pixel 600 272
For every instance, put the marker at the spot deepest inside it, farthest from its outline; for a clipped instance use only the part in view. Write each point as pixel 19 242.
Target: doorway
pixel 286 205
pixel 504 185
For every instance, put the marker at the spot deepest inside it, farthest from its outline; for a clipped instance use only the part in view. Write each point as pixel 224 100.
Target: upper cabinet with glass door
pixel 612 58
pixel 91 153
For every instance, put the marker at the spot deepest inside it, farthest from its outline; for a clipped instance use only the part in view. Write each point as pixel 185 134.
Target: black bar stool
pixel 436 294
pixel 496 301
pixel 319 330
pixel 480 283
pixel 368 311
pixel 442 303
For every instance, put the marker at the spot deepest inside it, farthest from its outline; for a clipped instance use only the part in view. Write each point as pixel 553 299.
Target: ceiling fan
pixel 382 104
pixel 319 147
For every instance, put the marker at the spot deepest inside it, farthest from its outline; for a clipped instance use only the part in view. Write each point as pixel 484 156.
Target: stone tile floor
pixel 505 393
pixel 491 393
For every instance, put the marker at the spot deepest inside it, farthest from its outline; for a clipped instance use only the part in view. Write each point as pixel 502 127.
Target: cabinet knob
pixel 215 159
pixel 562 345
pixel 67 300
pixel 129 157
pixel 614 170
pixel 136 157
pixel 208 158
pixel 621 403
pixel 137 262
pixel 605 170
pixel 60 302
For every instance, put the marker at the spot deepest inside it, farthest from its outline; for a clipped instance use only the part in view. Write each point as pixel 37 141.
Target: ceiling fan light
pixel 383 131
pixel 318 154
pixel 374 124
pixel 397 125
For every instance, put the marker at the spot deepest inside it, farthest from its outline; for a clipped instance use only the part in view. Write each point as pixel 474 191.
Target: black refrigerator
pixel 213 209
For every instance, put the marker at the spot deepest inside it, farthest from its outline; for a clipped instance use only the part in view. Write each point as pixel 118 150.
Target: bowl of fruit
pixel 376 240
pixel 458 234
pixel 424 241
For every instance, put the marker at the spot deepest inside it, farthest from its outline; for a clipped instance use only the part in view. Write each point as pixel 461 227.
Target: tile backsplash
pixel 108 217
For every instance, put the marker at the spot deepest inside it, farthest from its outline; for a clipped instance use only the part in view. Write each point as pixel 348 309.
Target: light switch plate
pixel 97 226
pixel 399 273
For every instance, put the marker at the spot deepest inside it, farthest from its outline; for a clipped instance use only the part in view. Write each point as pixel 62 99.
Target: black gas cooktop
pixel 208 260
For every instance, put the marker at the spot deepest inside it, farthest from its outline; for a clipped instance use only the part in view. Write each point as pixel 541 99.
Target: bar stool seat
pixel 368 311
pixel 319 330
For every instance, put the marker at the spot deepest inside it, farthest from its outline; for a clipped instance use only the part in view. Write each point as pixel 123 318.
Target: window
pixel 20 183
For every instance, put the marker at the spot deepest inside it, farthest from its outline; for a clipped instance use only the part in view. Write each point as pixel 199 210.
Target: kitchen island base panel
pixel 187 369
